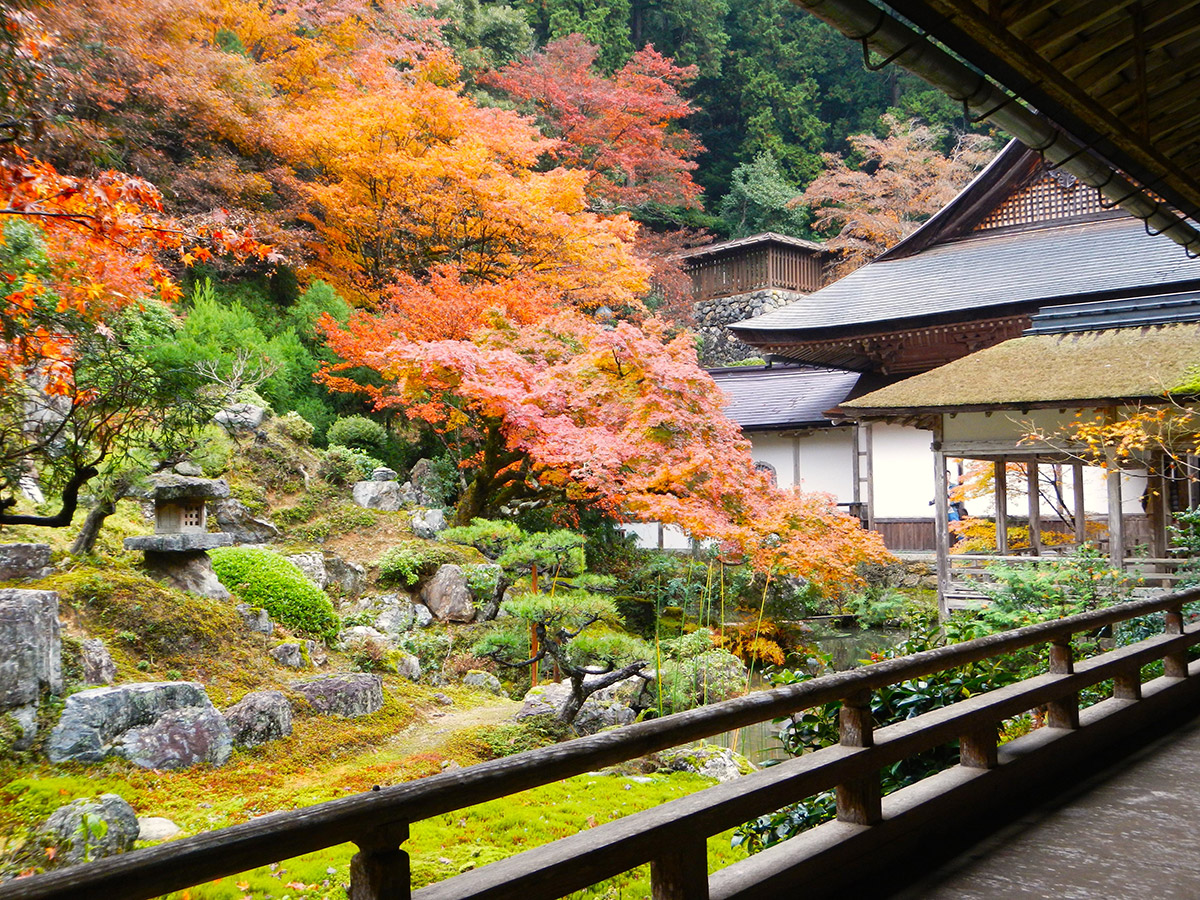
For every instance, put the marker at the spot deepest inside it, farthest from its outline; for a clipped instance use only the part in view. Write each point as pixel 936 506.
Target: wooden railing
pixel 671 837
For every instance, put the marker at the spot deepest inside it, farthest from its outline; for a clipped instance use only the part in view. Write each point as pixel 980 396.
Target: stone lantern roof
pixel 180 515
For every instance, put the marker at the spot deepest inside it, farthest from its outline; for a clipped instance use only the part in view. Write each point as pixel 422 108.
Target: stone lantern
pixel 176 552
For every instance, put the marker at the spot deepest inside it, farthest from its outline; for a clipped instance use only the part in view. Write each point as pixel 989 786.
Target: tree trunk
pixel 86 539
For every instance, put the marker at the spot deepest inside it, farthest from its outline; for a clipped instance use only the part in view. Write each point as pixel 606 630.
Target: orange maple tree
pixel 571 411
pixel 900 181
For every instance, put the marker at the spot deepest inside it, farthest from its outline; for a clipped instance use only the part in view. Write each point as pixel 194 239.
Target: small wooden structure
pixel 755 263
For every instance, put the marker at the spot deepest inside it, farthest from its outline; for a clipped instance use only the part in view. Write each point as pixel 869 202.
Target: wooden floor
pixel 1130 833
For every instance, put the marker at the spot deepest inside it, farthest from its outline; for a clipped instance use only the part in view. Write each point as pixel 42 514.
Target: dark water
pixel 847 646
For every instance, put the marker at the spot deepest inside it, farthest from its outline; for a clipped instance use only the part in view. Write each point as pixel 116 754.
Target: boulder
pixel 241 417
pixel 22 561
pixel 383 473
pixel 256 618
pixel 424 618
pixel 386 496
pixel 288 654
pixel 483 680
pixel 91 829
pixel 595 715
pixel 407 666
pixel 396 618
pixel 353 638
pixel 447 596
pixel 428 523
pixel 312 564
pixel 30 655
pixel 350 577
pixel 235 518
pixel 156 828
pixel 317 655
pixel 636 692
pixel 349 695
pixel 188 468
pixel 97 662
pixel 424 481
pixel 709 760
pixel 259 717
pixel 164 725
pixel 189 571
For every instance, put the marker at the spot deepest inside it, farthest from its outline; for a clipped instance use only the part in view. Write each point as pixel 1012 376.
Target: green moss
pixel 410 561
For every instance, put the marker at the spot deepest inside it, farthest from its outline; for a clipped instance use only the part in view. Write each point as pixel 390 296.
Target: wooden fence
pixel 869 830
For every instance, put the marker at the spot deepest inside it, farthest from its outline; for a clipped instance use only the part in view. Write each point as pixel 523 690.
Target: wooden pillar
pixel 1080 505
pixel 856 466
pixel 1157 506
pixel 1064 712
pixel 380 869
pixel 1175 665
pixel 1035 507
pixel 859 800
pixel 941 525
pixel 681 873
pixel 977 750
pixel 869 475
pixel 1116 520
pixel 1001 479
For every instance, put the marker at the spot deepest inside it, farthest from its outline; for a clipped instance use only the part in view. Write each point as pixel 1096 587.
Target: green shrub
pixel 358 432
pixel 266 579
pixel 483 581
pixel 297 427
pixel 410 561
pixel 345 465
pixel 491 537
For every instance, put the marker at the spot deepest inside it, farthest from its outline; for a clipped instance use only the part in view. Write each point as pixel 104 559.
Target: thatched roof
pixel 1086 368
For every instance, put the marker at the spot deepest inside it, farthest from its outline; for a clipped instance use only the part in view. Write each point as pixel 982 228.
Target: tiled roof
pixel 782 396
pixel 989 269
pixel 765 237
pixel 1156 309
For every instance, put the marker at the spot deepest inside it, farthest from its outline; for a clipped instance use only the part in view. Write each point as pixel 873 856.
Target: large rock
pixel 256 618
pixel 289 654
pixel 349 577
pixel 350 695
pixel 709 760
pixel 30 655
pixel 241 417
pixel 428 523
pixel 423 616
pixel 236 519
pixel 596 714
pixel 156 828
pixel 191 571
pixel 97 662
pixel 386 496
pixel 163 725
pixel 424 482
pixel 21 561
pixel 447 596
pixel 259 717
pixel 484 681
pixel 383 473
pixel 91 829
pixel 312 564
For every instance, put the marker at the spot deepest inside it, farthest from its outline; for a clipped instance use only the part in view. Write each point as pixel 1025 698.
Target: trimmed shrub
pixel 358 432
pixel 410 561
pixel 345 465
pixel 264 578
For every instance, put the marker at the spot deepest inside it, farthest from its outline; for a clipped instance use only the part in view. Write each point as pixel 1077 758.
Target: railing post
pixel 682 872
pixel 1064 712
pixel 859 800
pixel 1175 665
pixel 1128 685
pixel 977 750
pixel 380 869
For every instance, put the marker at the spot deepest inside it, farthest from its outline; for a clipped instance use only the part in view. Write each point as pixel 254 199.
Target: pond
pixel 848 647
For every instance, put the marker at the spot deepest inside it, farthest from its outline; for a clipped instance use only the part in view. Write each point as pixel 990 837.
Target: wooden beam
pixel 1035 507
pixel 941 524
pixel 1080 505
pixel 1116 519
pixel 1000 472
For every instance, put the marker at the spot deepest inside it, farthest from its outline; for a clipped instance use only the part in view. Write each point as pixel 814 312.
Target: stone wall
pixel 719 347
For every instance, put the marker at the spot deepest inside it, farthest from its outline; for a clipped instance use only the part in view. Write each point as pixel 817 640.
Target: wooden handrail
pixel 378 820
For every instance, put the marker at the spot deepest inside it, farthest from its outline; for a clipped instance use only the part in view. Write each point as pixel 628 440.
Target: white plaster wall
pixel 903 472
pixel 673 537
pixel 823 457
pixel 777 450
